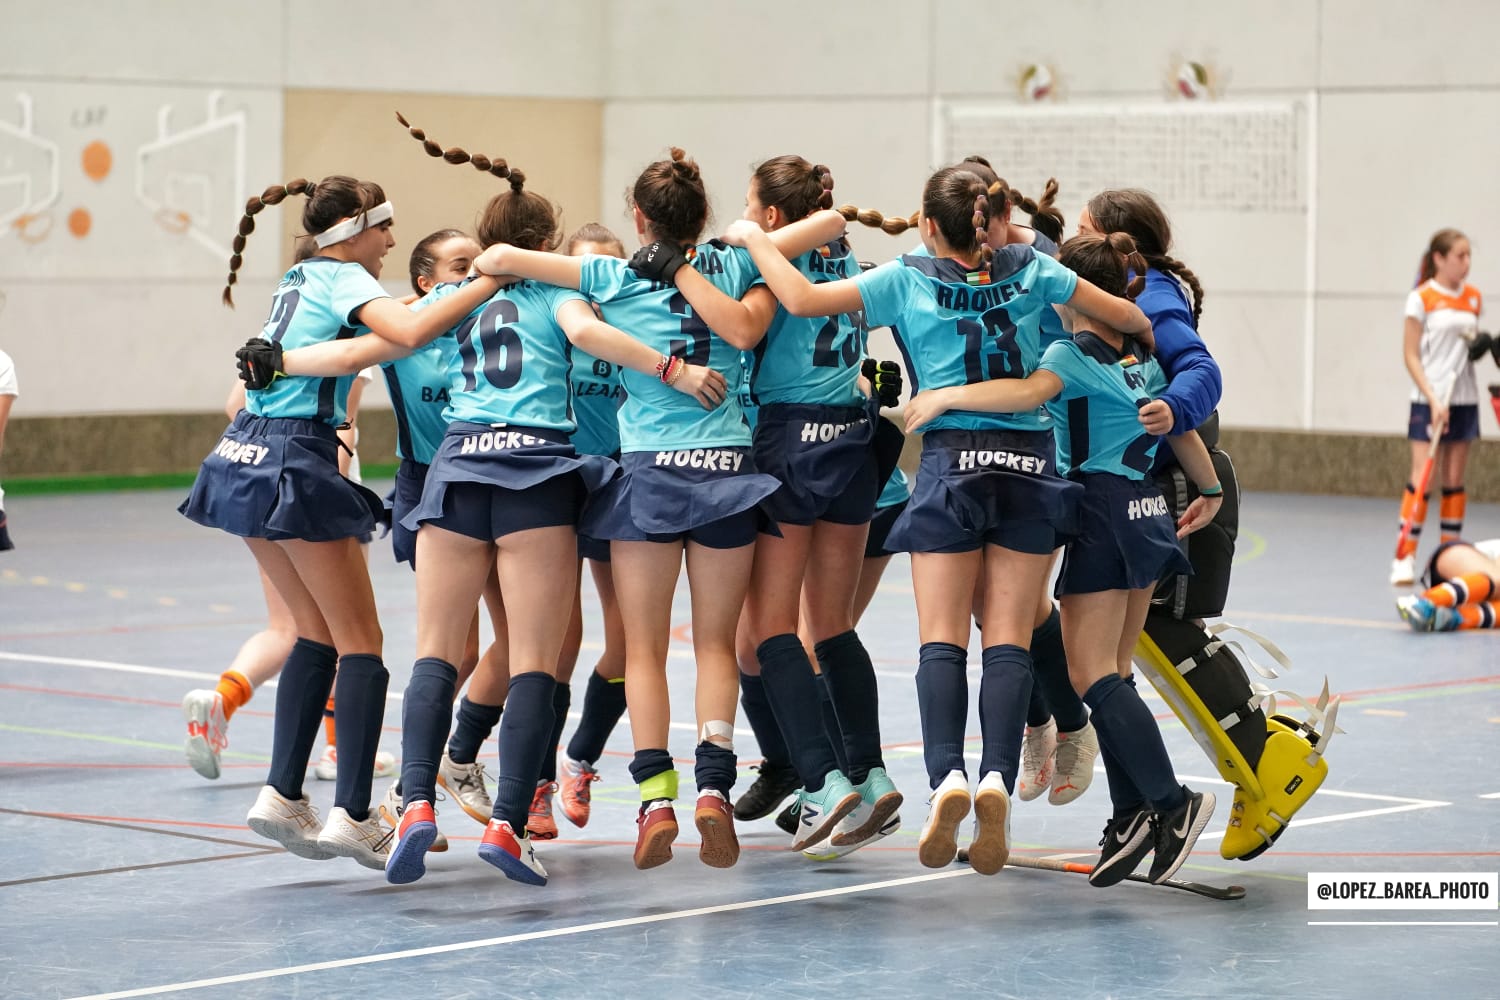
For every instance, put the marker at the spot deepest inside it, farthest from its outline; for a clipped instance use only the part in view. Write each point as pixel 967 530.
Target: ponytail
pixel 273 195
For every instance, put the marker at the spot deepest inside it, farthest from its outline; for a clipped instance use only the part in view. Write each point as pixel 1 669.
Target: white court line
pixel 1491 795
pixel 604 925
pixel 1403 923
pixel 136 668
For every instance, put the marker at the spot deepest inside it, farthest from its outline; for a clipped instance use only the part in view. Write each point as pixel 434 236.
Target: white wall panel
pixel 1437 43
pixel 689 50
pixel 1259 343
pixel 519 48
pixel 162 41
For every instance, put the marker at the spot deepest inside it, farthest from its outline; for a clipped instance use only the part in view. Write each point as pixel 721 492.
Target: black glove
pixel 259 363
pixel 1481 345
pixel 885 380
pixel 658 261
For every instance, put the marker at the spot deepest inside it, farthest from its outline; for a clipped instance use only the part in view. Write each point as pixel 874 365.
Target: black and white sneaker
pixel 770 788
pixel 1127 839
pixel 1177 832
pixel 789 817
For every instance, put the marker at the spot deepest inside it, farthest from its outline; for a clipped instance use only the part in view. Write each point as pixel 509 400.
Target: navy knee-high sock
pixel 1123 795
pixel 359 711
pixel 832 726
pixel 943 701
pixel 473 726
pixel 301 694
pixel 524 732
pixel 1004 690
pixel 787 675
pixel 1125 726
pixel 850 677
pixel 1049 666
pixel 603 704
pixel 562 699
pixel 426 709
pixel 1037 709
pixel 763 722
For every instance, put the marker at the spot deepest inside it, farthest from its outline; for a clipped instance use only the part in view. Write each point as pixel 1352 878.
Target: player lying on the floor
pixel 1462 579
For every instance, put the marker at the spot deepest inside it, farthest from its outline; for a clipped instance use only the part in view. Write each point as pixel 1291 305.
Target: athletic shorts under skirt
pixel 1126 537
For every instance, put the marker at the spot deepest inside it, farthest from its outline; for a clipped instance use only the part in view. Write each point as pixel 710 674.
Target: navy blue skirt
pixel 508 458
pixel 1126 540
pixel 880 530
pixel 989 487
pixel 824 458
pixel 411 477
pixel 278 478
pixel 667 494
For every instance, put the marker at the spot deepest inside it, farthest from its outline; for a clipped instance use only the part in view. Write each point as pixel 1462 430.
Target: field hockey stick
pixel 1408 522
pixel 1074 868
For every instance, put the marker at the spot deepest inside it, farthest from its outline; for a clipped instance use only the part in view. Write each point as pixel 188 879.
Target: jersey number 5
pixel 498 345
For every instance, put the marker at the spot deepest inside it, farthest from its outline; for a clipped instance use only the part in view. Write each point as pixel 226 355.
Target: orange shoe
pixel 539 822
pixel 714 817
pixel 656 828
pixel 577 776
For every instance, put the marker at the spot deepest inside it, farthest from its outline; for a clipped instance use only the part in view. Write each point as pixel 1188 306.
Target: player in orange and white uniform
pixel 1442 323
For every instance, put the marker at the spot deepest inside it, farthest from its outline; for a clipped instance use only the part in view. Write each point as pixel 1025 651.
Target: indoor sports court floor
pixel 123 873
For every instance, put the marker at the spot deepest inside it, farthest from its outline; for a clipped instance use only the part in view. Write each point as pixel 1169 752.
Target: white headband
pixel 341 231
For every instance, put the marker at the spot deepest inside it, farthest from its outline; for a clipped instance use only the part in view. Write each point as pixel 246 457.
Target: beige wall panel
pixel 163 41
pixel 1438 43
pixel 1100 47
pixel 1393 169
pixel 515 48
pixel 773 48
pixel 556 144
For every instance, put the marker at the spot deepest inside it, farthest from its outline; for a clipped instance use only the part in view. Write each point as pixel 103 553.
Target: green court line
pixel 118 740
pixel 44 485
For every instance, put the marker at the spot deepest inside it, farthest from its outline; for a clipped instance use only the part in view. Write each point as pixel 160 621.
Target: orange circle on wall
pixel 79 222
pixel 97 160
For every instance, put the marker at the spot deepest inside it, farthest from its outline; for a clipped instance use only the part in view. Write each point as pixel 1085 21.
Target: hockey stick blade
pixel 1228 892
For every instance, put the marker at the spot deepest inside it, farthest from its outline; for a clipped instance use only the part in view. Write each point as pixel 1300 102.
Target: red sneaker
pixel 714 817
pixel 539 822
pixel 656 828
pixel 577 776
pixel 511 854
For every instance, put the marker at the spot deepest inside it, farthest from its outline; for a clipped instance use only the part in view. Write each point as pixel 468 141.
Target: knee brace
pixel 1274 762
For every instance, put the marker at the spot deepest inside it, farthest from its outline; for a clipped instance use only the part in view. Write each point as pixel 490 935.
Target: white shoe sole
pixel 290 837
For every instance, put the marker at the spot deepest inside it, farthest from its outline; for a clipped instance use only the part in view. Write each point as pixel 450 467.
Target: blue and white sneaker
pixel 879 800
pixel 818 812
pixel 1416 611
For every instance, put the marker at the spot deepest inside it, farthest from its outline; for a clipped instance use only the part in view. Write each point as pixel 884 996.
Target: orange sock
pixel 1451 513
pixel 1471 588
pixel 234 687
pixel 1415 508
pixel 1478 615
pixel 328 723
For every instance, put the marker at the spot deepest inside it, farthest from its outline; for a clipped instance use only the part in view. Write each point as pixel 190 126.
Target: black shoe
pixel 787 819
pixel 1127 839
pixel 1177 832
pixel 774 783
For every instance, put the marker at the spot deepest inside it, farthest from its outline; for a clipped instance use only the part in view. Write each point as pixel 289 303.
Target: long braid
pixel 457 156
pixel 273 195
pixel 1182 273
pixel 895 225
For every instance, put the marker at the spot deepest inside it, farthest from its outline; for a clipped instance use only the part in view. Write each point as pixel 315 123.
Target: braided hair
pixel 794 185
pixel 894 225
pixel 1134 211
pixel 958 202
pixel 1112 262
pixel 328 200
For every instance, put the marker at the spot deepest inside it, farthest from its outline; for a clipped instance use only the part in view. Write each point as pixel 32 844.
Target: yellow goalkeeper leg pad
pixel 1291 769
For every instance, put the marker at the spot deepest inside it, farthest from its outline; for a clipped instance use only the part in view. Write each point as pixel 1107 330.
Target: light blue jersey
pixel 511 362
pixel 418 386
pixel 315 302
pixel 656 417
pixel 897 490
pixel 597 398
pixel 813 359
pixel 747 398
pixel 952 332
pixel 1096 414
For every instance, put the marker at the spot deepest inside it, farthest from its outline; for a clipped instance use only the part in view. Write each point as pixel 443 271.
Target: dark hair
pixel 593 232
pixel 328 200
pixel 670 194
pixel 1441 243
pixel 517 216
pixel 1106 261
pixel 424 254
pixel 957 201
pixel 793 185
pixel 1133 211
pixel 303 247
pixel 894 225
pixel 1044 215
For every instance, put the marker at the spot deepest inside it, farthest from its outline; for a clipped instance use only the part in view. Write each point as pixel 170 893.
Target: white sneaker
pixel 292 823
pixel 327 767
pixel 1404 571
pixel 990 848
pixel 1073 764
pixel 367 841
pixel 827 850
pixel 207 730
pixel 465 782
pixel 1037 760
pixel 949 803
pixel 390 811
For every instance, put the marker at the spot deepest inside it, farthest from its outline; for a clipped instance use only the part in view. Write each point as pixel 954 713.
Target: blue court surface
pixel 125 874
